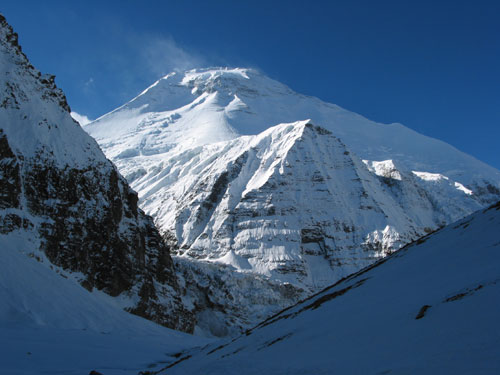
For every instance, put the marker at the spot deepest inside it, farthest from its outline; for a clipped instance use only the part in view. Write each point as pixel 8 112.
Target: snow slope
pixel 50 324
pixel 430 308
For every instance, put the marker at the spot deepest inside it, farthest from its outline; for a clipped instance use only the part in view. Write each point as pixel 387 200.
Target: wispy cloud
pixel 142 58
pixel 89 82
pixel 162 55
pixel 127 61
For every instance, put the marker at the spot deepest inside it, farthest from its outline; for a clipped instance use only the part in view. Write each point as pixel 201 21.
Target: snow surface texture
pixel 430 308
pixel 69 201
pixel 49 324
pixel 295 203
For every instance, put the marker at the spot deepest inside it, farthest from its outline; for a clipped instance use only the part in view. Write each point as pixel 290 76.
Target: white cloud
pixel 82 119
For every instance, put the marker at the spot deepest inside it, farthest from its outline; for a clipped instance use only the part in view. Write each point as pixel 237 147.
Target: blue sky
pixel 431 65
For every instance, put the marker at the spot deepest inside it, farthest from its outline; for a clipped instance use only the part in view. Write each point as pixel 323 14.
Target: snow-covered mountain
pixel 302 203
pixel 258 220
pixel 430 308
pixel 64 204
pixel 185 110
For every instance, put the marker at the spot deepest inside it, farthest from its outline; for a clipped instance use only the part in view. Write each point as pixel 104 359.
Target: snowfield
pixel 49 324
pixel 198 107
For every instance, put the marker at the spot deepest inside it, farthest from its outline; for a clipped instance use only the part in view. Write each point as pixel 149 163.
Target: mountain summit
pixel 204 106
pixel 241 173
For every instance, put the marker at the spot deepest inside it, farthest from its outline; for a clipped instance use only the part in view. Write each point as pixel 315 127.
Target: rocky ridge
pixel 74 209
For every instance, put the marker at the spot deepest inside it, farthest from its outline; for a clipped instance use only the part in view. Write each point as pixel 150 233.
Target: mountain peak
pixel 204 76
pixel 46 129
pixel 8 34
pixel 292 203
pixel 203 106
pixel 200 77
pixel 216 72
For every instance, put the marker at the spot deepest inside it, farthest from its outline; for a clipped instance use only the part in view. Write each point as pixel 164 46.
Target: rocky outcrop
pixel 58 188
pixel 225 302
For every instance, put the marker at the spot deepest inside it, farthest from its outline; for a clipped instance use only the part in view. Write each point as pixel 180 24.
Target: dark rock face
pixel 10 184
pixel 84 216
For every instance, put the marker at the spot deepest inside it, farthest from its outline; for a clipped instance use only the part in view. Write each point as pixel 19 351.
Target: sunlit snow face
pixel 177 140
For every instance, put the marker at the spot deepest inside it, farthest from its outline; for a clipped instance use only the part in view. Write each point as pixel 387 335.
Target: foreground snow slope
pixel 430 308
pixel 50 324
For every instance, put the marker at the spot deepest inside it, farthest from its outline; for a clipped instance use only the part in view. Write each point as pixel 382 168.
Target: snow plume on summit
pixel 162 54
